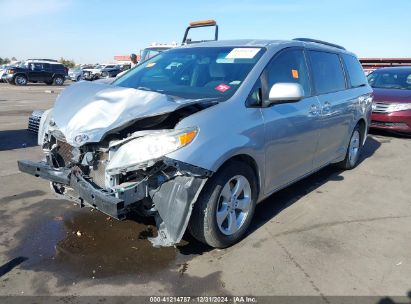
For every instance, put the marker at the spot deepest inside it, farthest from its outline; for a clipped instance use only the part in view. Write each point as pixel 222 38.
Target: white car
pixel 3 69
pixel 75 74
pixel 95 73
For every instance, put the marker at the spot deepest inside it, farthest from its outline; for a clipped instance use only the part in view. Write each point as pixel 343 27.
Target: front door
pixel 37 71
pixel 291 129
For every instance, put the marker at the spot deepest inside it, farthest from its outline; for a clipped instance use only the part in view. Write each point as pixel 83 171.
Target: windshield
pixel 194 72
pixel 390 79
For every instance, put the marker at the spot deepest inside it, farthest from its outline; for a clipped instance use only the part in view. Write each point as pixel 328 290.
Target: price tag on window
pixel 242 53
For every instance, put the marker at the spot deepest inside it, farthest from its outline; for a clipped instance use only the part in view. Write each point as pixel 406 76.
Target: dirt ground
pixel 334 233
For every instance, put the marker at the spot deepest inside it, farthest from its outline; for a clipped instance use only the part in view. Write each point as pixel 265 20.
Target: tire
pixel 78 78
pixel 20 80
pixel 353 151
pixel 212 201
pixel 58 80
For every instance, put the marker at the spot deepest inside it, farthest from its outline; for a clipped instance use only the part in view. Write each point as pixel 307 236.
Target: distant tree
pixel 4 60
pixel 67 63
pixel 13 58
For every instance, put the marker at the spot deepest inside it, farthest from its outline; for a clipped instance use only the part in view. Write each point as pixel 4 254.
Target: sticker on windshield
pixel 294 73
pixel 222 87
pixel 242 53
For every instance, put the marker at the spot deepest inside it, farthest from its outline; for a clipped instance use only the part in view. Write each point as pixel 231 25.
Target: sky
pixel 91 31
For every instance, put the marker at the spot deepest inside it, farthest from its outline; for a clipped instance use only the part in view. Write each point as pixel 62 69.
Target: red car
pixel 391 109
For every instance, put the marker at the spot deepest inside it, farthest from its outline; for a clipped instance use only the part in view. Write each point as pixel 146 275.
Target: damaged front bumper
pixel 172 198
pixel 87 193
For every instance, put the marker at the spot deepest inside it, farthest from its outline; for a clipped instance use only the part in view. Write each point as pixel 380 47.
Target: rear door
pixel 48 73
pixel 336 111
pixel 291 129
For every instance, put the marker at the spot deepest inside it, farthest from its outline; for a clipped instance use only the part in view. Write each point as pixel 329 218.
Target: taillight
pixel 11 72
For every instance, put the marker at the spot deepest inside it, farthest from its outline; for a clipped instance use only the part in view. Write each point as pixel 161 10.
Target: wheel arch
pixel 20 74
pixel 251 162
pixel 363 128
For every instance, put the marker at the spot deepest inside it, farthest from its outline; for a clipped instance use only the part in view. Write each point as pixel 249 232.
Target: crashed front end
pixel 127 170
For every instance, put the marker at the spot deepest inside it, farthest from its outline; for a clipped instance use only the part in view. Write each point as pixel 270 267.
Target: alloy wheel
pixel 234 205
pixel 354 148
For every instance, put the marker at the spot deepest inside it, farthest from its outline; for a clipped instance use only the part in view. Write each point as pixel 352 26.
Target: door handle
pixel 326 107
pixel 314 110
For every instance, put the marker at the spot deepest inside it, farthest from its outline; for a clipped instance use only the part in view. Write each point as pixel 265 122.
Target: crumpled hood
pixel 89 110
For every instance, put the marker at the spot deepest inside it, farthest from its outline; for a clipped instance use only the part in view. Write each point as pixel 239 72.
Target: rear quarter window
pixel 327 72
pixel 355 71
pixel 57 67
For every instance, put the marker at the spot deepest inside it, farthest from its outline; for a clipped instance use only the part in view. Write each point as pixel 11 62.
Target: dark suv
pixel 37 71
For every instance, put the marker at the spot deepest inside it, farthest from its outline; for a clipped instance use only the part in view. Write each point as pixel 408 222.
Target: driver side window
pixel 290 66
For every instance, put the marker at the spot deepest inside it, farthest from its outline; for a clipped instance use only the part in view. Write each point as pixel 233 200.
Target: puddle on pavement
pixel 99 246
pixel 80 244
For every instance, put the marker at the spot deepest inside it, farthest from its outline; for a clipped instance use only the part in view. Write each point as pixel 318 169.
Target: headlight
pixel 399 107
pixel 140 151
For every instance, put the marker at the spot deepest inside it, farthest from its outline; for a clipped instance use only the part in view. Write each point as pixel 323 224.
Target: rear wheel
pixel 20 80
pixel 354 150
pixel 225 207
pixel 58 80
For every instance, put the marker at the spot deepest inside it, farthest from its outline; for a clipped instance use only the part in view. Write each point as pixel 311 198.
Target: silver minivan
pixel 199 134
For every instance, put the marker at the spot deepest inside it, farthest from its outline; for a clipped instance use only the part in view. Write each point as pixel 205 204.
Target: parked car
pixel 75 74
pixel 49 72
pixel 392 99
pixel 3 69
pixel 110 71
pixel 34 121
pixel 198 135
pixel 96 72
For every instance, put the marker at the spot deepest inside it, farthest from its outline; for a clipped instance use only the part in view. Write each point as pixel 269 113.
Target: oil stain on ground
pixel 99 246
pixel 80 244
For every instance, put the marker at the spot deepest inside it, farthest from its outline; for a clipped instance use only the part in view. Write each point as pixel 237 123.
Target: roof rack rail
pixel 320 41
pixel 42 59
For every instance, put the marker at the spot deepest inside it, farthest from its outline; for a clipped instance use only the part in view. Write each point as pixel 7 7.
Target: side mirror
pixel 285 92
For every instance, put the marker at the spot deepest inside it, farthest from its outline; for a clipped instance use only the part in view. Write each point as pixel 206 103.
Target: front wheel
pixel 225 207
pixel 353 151
pixel 20 80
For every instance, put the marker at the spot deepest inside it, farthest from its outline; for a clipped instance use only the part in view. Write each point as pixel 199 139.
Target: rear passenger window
pixel 290 66
pixel 327 72
pixel 355 71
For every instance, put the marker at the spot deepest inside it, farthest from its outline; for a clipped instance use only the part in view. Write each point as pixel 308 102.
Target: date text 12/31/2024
pixel 204 299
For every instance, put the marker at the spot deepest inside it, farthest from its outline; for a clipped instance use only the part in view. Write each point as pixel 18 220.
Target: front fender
pixel 223 133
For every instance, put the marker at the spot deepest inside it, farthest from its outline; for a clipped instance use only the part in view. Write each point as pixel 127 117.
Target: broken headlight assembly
pixel 146 150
